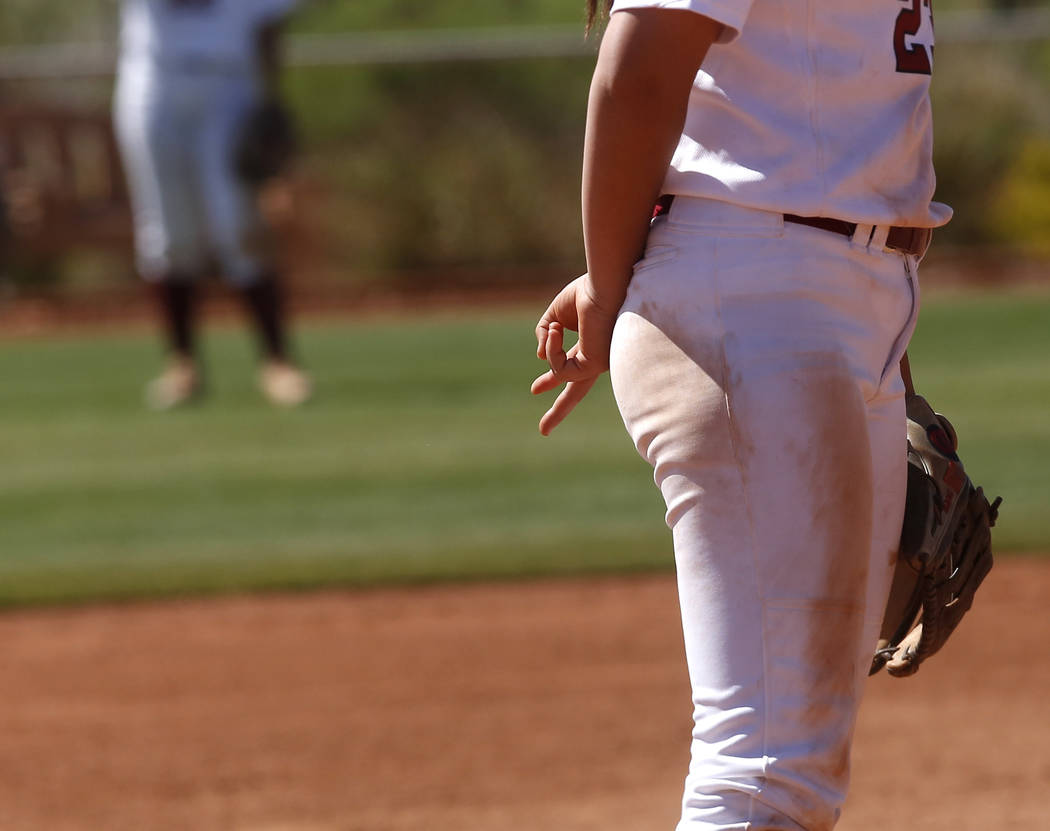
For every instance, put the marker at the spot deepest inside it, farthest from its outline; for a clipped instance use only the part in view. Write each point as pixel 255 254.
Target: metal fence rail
pixel 85 60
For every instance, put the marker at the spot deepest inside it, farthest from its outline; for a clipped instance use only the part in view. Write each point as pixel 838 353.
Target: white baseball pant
pixel 755 364
pixel 177 129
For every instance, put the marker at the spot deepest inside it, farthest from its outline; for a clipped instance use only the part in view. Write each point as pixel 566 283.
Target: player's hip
pixel 146 91
pixel 748 288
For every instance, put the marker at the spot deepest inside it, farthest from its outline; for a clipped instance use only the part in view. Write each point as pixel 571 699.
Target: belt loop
pixel 878 239
pixel 862 236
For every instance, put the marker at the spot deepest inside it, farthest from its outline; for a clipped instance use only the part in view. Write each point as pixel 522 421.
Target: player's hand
pixel 576 308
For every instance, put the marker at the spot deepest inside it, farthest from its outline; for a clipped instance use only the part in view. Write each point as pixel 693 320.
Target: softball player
pixel 755 353
pixel 190 71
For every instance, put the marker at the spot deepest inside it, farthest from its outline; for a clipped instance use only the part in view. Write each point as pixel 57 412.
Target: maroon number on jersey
pixel 916 59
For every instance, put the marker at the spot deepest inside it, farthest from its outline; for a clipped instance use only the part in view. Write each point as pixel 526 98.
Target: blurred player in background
pixel 192 74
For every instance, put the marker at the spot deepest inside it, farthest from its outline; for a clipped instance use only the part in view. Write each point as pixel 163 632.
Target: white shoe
pixel 178 384
pixel 283 384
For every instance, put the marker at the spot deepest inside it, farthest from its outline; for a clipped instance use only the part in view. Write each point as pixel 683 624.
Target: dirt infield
pixel 549 705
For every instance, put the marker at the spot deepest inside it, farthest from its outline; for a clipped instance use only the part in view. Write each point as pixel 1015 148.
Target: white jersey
pixel 814 109
pixel 181 33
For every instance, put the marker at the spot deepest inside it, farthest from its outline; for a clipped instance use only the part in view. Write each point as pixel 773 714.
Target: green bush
pixel 1021 211
pixel 451 165
pixel 989 103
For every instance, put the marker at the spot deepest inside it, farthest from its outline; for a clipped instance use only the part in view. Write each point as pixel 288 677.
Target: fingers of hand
pixel 550 337
pixel 561 312
pixel 567 368
pixel 573 393
pixel 542 331
pixel 550 379
pixel 544 383
pixel 554 349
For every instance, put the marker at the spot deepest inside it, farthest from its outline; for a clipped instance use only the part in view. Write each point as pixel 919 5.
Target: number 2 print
pixel 915 58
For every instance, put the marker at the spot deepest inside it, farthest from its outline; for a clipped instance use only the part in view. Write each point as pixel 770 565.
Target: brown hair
pixel 595 10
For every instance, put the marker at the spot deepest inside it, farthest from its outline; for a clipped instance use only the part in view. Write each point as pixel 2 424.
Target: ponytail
pixel 595 10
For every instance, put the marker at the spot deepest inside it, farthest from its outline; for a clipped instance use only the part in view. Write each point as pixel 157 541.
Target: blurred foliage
pixel 990 104
pixel 474 165
pixel 41 21
pixel 445 165
pixel 1021 210
pixel 373 15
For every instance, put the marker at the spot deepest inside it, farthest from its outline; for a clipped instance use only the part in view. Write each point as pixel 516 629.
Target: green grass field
pixel 419 459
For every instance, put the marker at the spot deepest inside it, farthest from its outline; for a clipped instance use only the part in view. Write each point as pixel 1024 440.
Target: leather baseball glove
pixel 265 143
pixel 945 550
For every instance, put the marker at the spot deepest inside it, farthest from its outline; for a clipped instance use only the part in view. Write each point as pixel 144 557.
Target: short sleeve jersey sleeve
pixel 730 13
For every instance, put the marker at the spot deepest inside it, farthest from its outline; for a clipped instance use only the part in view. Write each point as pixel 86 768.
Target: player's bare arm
pixel 636 110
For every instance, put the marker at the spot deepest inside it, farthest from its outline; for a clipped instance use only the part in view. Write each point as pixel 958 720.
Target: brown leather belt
pixel 912 241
